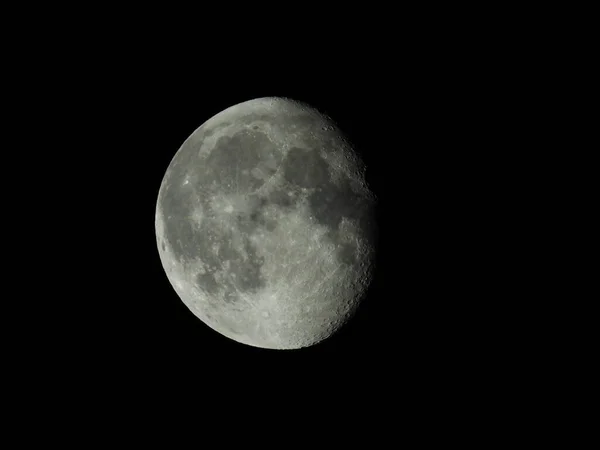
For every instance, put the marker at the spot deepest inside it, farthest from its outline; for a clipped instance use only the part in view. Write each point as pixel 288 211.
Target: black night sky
pixel 419 125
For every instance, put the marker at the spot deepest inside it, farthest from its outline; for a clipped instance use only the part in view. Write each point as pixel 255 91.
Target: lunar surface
pixel 265 224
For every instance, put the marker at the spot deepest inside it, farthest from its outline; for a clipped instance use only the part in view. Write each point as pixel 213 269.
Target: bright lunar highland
pixel 265 224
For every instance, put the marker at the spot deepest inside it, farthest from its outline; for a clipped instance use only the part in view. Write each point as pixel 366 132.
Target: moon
pixel 265 224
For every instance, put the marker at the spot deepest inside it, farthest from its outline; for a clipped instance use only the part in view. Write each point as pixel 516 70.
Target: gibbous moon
pixel 265 224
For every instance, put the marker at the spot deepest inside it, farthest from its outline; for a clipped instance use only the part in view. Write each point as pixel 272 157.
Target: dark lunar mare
pixel 222 172
pixel 243 273
pixel 330 201
pixel 232 156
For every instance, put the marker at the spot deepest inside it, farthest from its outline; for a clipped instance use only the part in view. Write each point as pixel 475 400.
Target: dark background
pixel 444 108
pixel 428 117
pixel 417 129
